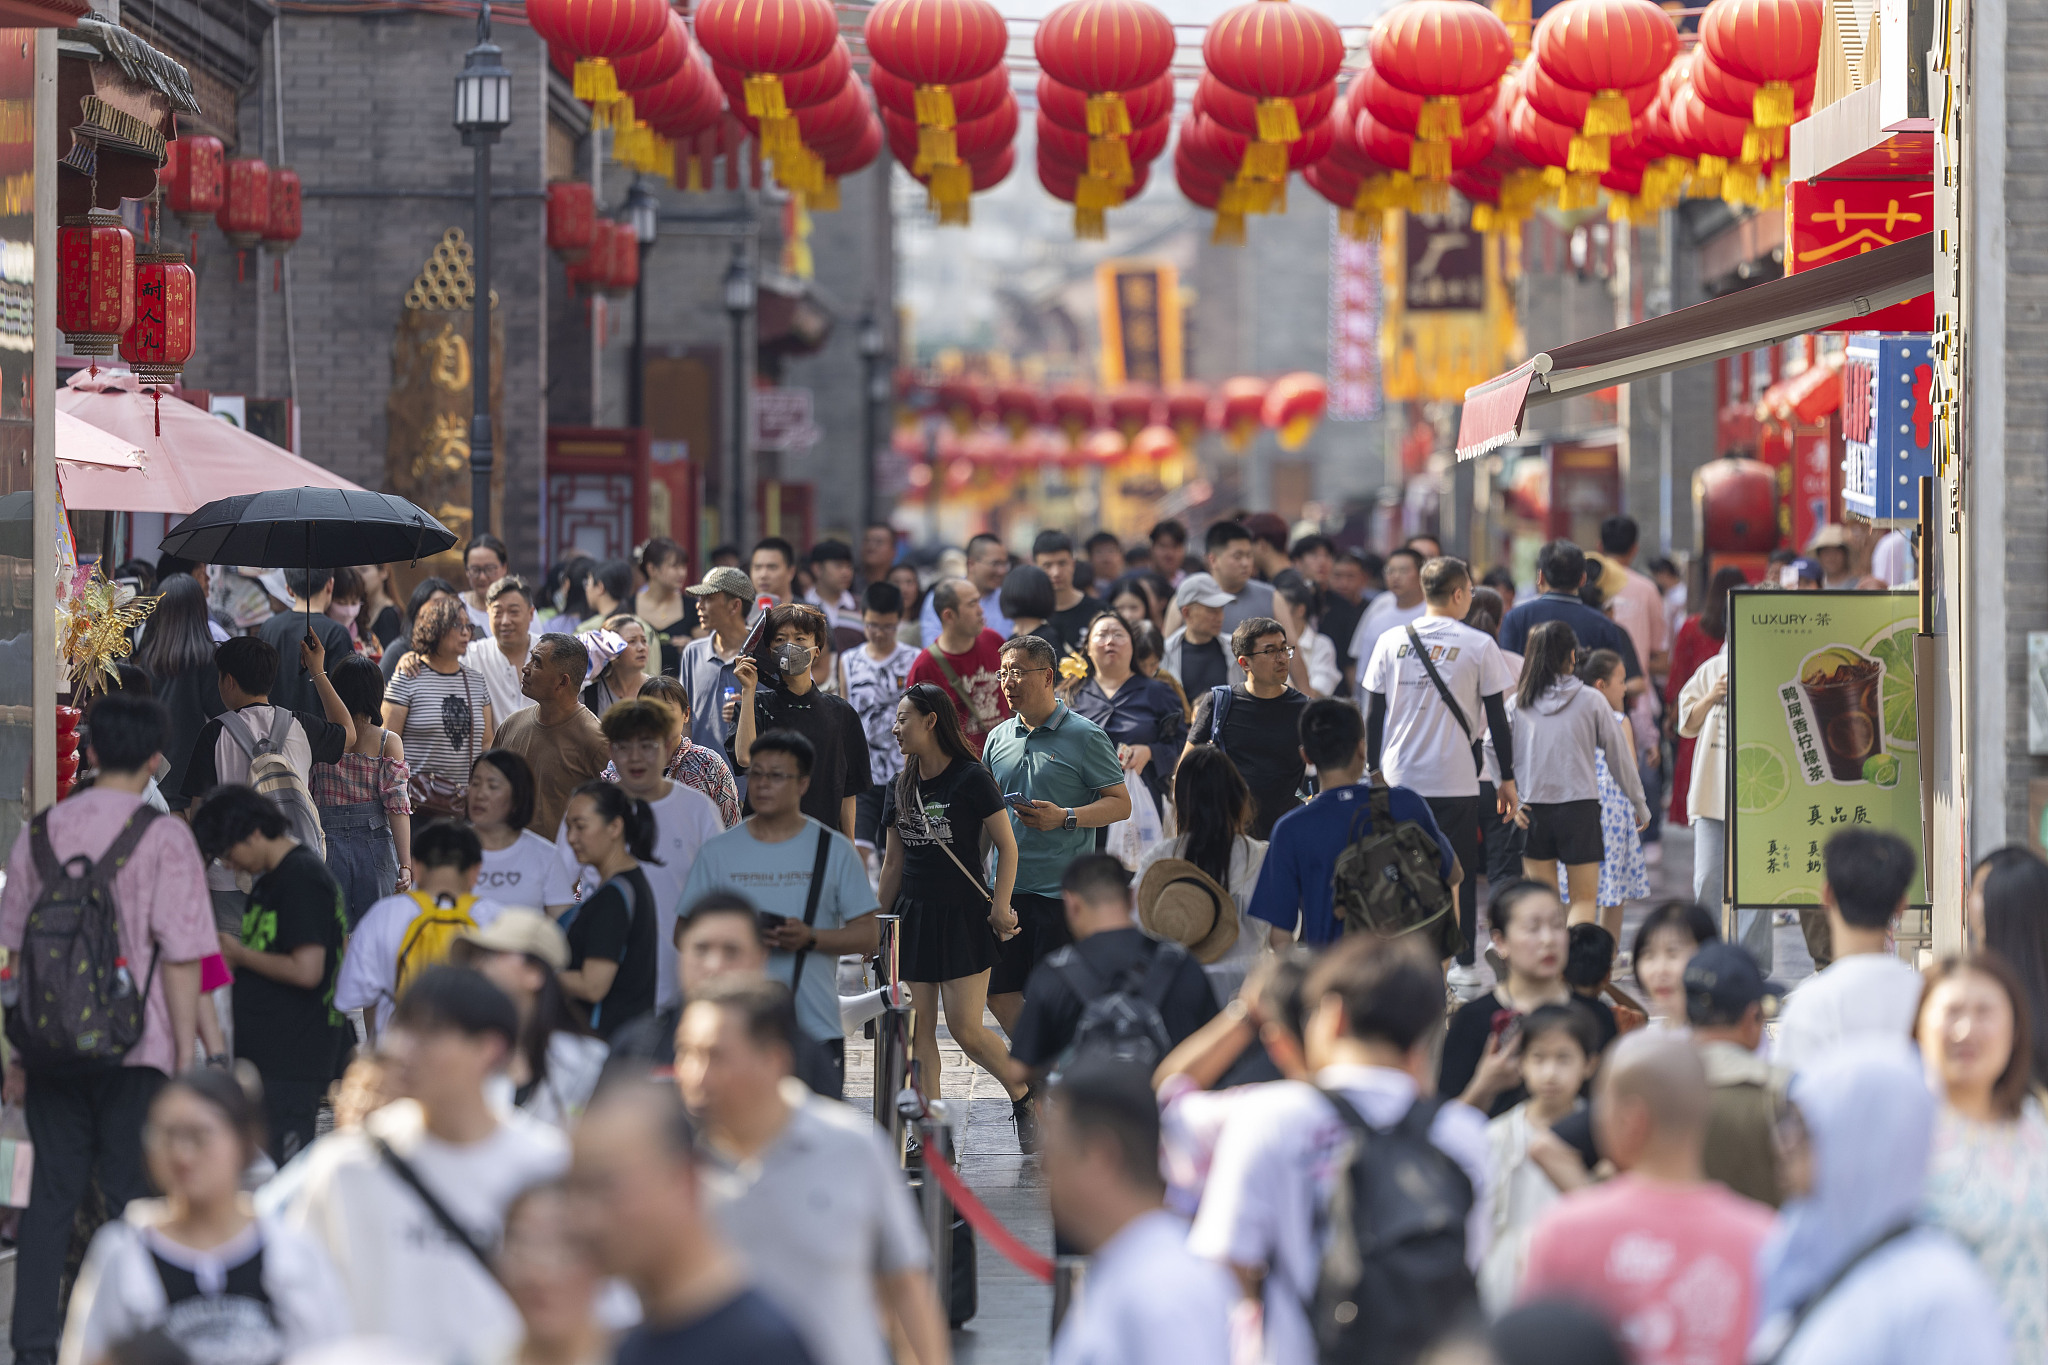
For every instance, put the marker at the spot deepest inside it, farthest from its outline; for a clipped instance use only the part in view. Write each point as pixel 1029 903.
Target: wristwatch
pixel 1069 822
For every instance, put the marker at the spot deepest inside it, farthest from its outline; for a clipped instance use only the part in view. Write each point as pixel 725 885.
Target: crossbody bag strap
pixel 960 689
pixel 824 855
pixel 1437 680
pixel 403 1169
pixel 1819 1296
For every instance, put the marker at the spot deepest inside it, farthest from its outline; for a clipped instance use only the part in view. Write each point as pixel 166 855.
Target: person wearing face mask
pixel 790 700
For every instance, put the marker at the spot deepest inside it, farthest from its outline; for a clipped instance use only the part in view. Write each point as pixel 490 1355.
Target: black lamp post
pixel 643 214
pixel 483 110
pixel 873 345
pixel 739 302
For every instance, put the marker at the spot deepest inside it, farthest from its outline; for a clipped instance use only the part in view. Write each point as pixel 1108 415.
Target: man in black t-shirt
pixel 285 960
pixel 1053 552
pixel 777 692
pixel 312 591
pixel 1261 730
pixel 1107 944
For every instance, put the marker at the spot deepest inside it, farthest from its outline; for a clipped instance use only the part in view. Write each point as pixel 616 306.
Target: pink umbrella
pixel 198 459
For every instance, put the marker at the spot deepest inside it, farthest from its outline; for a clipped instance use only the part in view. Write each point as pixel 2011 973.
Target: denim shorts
pixel 360 854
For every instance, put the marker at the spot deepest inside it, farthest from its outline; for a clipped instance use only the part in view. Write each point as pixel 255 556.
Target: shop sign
pixel 1832 220
pixel 1887 424
pixel 782 420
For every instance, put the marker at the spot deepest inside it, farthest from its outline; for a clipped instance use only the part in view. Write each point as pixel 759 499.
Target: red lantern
pixel 767 39
pixel 1773 42
pixel 598 31
pixel 1104 447
pixel 1401 109
pixel 1103 48
pixel 658 61
pixel 595 268
pixel 1334 183
pixel 245 207
pixel 800 89
pixel 1068 107
pixel 971 99
pixel 286 220
pixel 859 154
pixel 160 340
pixel 1294 405
pixel 1274 51
pixel 1239 404
pixel 1608 49
pixel 191 178
pixel 1131 406
pixel 1574 109
pixel 572 218
pixel 1727 93
pixel 1018 407
pixel 1074 409
pixel 1239 112
pixel 936 45
pixel 95 282
pixel 1441 50
pixel 623 269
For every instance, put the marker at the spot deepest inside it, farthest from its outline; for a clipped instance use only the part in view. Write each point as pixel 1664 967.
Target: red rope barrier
pixel 987 1224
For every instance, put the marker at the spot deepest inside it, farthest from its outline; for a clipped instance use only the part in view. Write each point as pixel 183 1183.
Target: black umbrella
pixel 309 528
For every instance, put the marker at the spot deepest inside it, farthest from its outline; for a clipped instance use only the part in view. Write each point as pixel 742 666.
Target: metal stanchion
pixel 1069 1282
pixel 892 1036
pixel 935 1132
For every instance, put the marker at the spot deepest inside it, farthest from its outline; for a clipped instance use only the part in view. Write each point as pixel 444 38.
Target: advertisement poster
pixel 1822 734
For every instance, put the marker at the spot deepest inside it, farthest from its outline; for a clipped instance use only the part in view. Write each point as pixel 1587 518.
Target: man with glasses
pixel 1063 781
pixel 1256 722
pixel 876 675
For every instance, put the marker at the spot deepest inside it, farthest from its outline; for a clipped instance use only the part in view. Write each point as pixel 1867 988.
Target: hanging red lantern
pixel 1274 51
pixel 286 220
pixel 191 178
pixel 1609 49
pixel 1103 48
pixel 95 282
pixel 1018 407
pixel 767 39
pixel 623 266
pixel 1068 106
pixel 160 340
pixel 598 31
pixel 1334 183
pixel 1728 93
pixel 1402 109
pixel 1074 409
pixel 1155 443
pixel 1239 403
pixel 1106 446
pixel 595 267
pixel 656 62
pixel 1131 406
pixel 1775 43
pixel 1187 410
pixel 800 89
pixel 1294 405
pixel 1441 50
pixel 1573 108
pixel 1240 114
pixel 980 139
pixel 245 205
pixel 971 99
pixel 936 45
pixel 572 218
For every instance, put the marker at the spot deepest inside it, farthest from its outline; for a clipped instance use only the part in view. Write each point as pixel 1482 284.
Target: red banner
pixel 1834 219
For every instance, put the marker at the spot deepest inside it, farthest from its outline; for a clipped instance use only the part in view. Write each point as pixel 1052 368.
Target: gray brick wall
pixel 2025 49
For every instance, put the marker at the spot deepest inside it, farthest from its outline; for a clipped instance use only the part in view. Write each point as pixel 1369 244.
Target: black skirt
pixel 944 940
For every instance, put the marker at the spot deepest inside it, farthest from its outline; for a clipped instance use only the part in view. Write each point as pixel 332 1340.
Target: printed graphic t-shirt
pixel 1426 750
pixel 976 670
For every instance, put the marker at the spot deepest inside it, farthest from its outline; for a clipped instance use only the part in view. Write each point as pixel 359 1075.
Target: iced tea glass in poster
pixel 1822 734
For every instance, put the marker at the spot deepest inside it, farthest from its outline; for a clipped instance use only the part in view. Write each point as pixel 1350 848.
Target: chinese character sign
pixel 1448 314
pixel 1822 734
pixel 1832 220
pixel 1139 308
pixel 1354 328
pixel 1887 424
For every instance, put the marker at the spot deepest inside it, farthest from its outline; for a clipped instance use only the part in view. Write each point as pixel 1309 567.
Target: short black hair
pixel 766 1008
pixel 307 583
pixel 1331 732
pixel 1222 533
pixel 1113 1100
pixel 1097 877
pixel 443 843
pixel 511 582
pixel 1870 872
pixel 1498 577
pixel 423 593
pixel 778 545
pixel 1250 631
pixel 1051 543
pixel 1571 1018
pixel 1103 538
pixel 1026 592
pixel 830 551
pixel 788 742
pixel 517 771
pixel 230 814
pixel 615 576
pixel 565 652
pixel 127 730
pixel 484 540
pixel 458 998
pixel 1563 566
pixel 1309 544
pixel 946 596
pixel 712 904
pixel 1375 566
pixel 1443 576
pixel 1407 552
pixel 1391 988
pixel 882 598
pixel 251 661
pixel 359 683
pixel 1170 530
pixel 1693 920
pixel 1588 956
pixel 1618 534
pixel 1035 648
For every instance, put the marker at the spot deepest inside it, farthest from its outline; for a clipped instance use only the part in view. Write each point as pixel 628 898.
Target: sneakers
pixel 1465 982
pixel 1025 1116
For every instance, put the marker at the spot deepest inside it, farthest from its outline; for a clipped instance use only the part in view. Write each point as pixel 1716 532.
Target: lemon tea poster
pixel 1822 734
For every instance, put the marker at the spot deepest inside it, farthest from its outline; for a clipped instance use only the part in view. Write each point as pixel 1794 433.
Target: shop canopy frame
pixel 1761 315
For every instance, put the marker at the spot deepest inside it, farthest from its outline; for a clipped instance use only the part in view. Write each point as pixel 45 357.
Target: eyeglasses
pixel 758 776
pixel 1017 674
pixel 1280 651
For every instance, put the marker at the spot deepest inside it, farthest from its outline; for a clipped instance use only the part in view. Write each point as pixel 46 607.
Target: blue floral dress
pixel 1987 1184
pixel 1624 876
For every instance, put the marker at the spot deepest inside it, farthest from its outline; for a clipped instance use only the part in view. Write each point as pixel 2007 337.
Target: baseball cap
pixel 518 930
pixel 1723 979
pixel 1803 568
pixel 1200 587
pixel 726 579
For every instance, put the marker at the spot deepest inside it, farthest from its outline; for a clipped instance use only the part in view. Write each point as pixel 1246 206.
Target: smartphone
pixel 762 605
pixel 1507 1028
pixel 1018 800
pixel 769 923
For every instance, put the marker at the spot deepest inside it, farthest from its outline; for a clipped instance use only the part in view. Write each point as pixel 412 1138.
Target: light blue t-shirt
pixel 777 879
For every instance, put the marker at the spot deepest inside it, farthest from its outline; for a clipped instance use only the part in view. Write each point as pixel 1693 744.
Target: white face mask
pixel 345 612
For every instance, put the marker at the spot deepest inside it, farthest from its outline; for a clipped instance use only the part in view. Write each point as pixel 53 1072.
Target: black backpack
pixel 1388 879
pixel 72 1015
pixel 1393 1279
pixel 1120 1020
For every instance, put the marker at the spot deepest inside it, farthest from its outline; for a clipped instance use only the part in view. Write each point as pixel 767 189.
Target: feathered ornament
pixel 93 626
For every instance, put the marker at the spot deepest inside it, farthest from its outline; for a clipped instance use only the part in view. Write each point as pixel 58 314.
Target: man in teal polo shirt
pixel 1066 771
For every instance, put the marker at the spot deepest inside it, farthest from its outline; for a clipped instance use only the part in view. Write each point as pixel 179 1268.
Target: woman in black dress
pixel 611 937
pixel 940 814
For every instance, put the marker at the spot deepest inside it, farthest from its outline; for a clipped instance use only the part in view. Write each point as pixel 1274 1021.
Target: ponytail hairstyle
pixel 1215 808
pixel 635 816
pixel 1546 660
pixel 1596 666
pixel 929 699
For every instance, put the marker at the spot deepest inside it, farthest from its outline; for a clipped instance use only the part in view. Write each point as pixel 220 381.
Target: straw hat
pixel 1179 901
pixel 516 930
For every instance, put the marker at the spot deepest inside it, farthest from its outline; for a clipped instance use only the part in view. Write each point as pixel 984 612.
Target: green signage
pixel 1822 734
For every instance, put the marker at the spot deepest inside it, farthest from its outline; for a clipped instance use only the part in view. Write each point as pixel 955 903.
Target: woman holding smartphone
pixel 940 815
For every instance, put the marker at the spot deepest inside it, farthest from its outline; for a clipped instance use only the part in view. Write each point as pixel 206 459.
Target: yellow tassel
pixel 1581 191
pixel 693 176
pixel 1587 154
pixel 1400 192
pixel 1108 115
pixel 1432 196
pixel 1430 161
pixel 1236 198
pixel 1756 143
pixel 934 106
pixel 780 136
pixel 1442 119
pixel 665 159
pixel 1229 229
pixel 825 199
pixel 1619 208
pixel 1295 431
pixel 1264 161
pixel 629 145
pixel 956 213
pixel 1553 177
pixel 764 97
pixel 1485 218
pixel 937 146
pixel 1608 115
pixel 1110 158
pixel 595 80
pixel 952 184
pixel 1093 192
pixel 1710 168
pixel 1772 105
pixel 1278 121
pixel 800 171
pixel 1089 224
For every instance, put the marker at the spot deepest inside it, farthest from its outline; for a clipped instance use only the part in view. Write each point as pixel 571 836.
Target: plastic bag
pixel 1129 838
pixel 17 1158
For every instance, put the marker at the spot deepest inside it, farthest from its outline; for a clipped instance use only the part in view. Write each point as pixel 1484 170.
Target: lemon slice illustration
pixel 1761 781
pixel 1894 649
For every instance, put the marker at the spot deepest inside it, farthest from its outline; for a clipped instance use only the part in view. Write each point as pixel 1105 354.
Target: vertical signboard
pixel 1354 328
pixel 1887 424
pixel 1139 308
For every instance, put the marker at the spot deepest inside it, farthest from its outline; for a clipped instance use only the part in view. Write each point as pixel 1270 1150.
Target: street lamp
pixel 873 345
pixel 643 215
pixel 739 302
pixel 483 110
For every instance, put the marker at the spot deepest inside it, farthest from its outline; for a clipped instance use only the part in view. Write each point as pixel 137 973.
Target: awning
pixel 1742 321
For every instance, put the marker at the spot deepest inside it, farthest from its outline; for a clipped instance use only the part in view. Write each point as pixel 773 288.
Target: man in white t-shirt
pixel 1866 991
pixel 408 1276
pixel 1397 606
pixel 684 819
pixel 1421 739
pixel 500 656
pixel 447 859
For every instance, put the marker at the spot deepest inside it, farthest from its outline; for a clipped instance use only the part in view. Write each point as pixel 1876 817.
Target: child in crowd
pixel 1670 934
pixel 1589 971
pixel 1623 874
pixel 1532 1167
